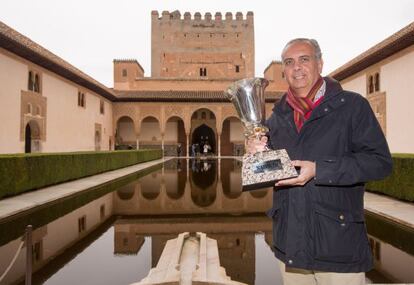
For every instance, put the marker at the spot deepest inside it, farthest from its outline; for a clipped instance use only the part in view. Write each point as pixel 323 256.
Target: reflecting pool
pixel 114 234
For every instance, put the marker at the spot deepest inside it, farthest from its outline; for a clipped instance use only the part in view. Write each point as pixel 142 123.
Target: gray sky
pixel 89 34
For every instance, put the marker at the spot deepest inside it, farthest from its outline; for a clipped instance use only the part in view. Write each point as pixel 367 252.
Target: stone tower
pixel 196 48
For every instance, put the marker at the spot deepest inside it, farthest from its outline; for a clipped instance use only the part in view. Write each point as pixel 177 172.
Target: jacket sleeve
pixel 369 157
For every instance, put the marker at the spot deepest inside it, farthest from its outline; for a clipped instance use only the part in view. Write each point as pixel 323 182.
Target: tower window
pixel 124 73
pixel 203 71
pixel 237 68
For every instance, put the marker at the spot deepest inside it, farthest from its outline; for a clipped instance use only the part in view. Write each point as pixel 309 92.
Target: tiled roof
pixel 21 45
pixel 391 45
pixel 128 60
pixel 181 96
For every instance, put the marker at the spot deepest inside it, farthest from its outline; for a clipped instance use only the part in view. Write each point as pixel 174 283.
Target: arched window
pixel 29 108
pixel 377 82
pixel 370 85
pixel 36 84
pixel 38 110
pixel 30 83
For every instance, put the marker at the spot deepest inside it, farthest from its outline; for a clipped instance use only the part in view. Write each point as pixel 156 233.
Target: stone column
pixel 187 137
pixel 219 144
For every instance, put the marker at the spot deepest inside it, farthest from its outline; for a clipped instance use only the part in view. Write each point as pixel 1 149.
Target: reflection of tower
pixel 204 182
pixel 237 255
pixel 126 242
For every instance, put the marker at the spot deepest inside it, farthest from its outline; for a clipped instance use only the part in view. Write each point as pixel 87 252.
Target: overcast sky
pixel 89 34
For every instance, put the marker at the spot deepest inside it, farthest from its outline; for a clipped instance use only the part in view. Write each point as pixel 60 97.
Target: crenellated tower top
pixel 197 18
pixel 202 46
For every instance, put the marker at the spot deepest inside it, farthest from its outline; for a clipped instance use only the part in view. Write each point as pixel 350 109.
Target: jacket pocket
pixel 279 228
pixel 339 236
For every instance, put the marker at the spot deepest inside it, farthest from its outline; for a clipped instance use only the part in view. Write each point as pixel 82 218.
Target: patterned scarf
pixel 302 105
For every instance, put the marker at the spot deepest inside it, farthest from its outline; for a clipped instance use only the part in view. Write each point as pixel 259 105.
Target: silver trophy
pixel 261 169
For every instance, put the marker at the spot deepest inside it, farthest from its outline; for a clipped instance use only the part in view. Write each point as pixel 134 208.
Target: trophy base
pixel 264 169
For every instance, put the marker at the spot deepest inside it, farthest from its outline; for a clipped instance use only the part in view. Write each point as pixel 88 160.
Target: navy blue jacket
pixel 320 226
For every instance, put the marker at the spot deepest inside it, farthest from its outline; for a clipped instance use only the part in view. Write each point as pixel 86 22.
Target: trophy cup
pixel 261 169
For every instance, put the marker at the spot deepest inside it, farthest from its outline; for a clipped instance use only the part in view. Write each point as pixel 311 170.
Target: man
pixel 332 135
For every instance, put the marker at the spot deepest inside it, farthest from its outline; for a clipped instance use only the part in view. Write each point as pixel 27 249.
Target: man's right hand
pixel 253 144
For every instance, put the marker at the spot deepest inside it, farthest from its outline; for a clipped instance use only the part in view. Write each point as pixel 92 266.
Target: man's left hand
pixel 307 172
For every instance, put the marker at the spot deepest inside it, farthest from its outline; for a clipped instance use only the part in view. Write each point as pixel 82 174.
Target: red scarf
pixel 303 105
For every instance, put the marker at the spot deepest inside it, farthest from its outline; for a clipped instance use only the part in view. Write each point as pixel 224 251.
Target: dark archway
pixel 204 134
pixel 28 139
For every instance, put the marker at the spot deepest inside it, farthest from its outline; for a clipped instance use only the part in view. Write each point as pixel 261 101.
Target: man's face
pixel 301 67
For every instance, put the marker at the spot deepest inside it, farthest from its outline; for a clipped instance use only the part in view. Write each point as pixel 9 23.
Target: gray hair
pixel 312 42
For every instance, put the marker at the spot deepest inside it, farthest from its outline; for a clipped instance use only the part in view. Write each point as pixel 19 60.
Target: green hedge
pixel 24 172
pixel 13 227
pixel 400 184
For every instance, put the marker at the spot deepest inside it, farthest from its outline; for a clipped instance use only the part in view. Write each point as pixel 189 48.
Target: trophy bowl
pixel 265 168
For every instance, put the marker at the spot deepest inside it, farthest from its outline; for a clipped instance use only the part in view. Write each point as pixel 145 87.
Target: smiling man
pixel 319 233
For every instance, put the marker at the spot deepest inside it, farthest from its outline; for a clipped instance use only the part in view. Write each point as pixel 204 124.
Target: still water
pixel 116 233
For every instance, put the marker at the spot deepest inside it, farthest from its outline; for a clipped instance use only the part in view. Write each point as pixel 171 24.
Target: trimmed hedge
pixel 400 184
pixel 24 172
pixel 15 226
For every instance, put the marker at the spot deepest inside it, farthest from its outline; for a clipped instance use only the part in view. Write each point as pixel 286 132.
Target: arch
pixel 203 136
pixel 151 185
pixel 30 81
pixel 32 137
pixel 38 111
pixel 203 129
pixel 29 109
pixel 232 137
pixel 370 85
pixel 125 136
pixel 175 177
pixel 231 178
pixel 36 86
pixel 150 136
pixel 126 192
pixel 28 139
pixel 203 182
pixel 97 140
pixel 175 137
pixel 377 82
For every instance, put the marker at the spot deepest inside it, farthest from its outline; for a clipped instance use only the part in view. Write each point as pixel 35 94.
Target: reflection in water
pixel 231 178
pixel 203 182
pixel 124 232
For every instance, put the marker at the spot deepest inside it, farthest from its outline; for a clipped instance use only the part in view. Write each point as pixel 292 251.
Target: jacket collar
pixel 333 88
pixel 329 103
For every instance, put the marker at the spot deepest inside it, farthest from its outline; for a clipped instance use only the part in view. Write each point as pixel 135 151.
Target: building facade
pixel 47 105
pixel 384 75
pixel 51 106
pixel 193 60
